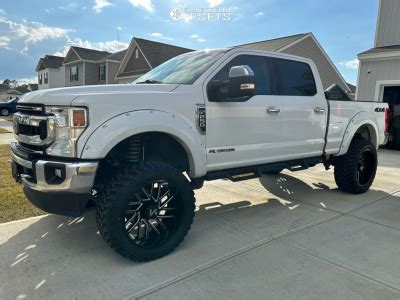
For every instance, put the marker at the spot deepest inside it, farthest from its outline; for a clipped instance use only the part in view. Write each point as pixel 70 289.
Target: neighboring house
pixel 143 55
pixel 32 87
pixel 50 72
pixel 379 70
pixel 91 67
pixel 306 45
pixel 9 94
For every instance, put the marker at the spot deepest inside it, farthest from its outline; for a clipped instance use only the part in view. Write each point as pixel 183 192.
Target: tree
pixel 10 83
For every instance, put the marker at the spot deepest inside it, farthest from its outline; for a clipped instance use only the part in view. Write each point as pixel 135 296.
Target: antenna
pixel 119 61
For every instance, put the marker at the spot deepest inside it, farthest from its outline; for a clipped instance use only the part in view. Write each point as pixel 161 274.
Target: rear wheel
pixel 355 171
pixel 146 211
pixel 4 112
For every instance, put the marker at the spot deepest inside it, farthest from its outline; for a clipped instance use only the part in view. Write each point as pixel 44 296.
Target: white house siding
pixel 309 49
pixel 388 25
pixel 380 70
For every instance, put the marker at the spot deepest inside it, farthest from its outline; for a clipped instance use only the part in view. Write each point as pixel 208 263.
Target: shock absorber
pixel 134 151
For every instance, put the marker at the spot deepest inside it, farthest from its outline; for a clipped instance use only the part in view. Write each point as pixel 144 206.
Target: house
pixel 91 67
pixel 143 55
pixel 50 72
pixel 306 45
pixel 379 70
pixel 8 94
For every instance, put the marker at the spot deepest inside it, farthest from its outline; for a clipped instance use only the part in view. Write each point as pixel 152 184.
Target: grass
pixel 13 203
pixel 9 118
pixel 2 130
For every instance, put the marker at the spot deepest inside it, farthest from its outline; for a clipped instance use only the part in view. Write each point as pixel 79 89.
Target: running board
pixel 251 172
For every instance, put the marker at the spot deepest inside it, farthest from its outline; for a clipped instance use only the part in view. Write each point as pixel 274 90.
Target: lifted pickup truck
pixel 137 151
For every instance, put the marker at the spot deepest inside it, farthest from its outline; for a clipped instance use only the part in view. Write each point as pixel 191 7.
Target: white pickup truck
pixel 137 151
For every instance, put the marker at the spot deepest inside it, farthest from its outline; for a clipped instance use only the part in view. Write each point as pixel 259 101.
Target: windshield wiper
pixel 149 81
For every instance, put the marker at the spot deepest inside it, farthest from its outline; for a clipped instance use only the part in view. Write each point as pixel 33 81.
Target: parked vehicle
pixel 9 107
pixel 228 113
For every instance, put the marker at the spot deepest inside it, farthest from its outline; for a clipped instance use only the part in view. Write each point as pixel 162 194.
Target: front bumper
pixel 60 187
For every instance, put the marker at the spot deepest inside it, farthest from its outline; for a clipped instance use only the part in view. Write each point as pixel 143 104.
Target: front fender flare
pixel 115 130
pixel 360 119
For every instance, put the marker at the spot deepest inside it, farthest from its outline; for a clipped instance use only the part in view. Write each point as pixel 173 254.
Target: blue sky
pixel 31 28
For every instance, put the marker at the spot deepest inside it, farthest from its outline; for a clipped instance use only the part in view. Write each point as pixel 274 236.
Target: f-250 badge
pixel 213 151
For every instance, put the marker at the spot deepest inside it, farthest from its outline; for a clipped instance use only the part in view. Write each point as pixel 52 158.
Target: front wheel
pixel 355 171
pixel 145 210
pixel 4 112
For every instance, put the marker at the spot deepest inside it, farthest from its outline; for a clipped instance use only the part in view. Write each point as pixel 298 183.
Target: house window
pixel 73 73
pixel 102 72
pixel 46 77
pixel 136 53
pixel 40 78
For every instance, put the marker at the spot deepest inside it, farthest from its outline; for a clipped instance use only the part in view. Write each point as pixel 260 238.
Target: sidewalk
pixel 288 236
pixel 6 138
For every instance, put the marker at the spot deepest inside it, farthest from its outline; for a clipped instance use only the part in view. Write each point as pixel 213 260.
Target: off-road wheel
pixel 146 210
pixel 273 172
pixel 4 112
pixel 355 171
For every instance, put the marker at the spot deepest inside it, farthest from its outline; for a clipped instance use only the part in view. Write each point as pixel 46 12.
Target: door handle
pixel 273 110
pixel 319 110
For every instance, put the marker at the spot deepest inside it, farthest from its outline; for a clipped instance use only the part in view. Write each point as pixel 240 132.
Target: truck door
pixel 243 133
pixel 304 115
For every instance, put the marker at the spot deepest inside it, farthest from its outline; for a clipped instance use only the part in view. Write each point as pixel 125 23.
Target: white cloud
pixel 21 36
pixel 110 46
pixel 146 4
pixel 259 14
pixel 161 36
pixel 197 38
pixel 27 80
pixel 100 4
pixel 350 64
pixel 213 3
pixel 4 41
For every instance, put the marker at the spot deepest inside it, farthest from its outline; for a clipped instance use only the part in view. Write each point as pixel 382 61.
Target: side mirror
pixel 242 81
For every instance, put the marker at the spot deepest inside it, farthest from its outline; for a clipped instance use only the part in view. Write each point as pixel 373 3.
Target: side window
pixel 257 64
pixel 294 78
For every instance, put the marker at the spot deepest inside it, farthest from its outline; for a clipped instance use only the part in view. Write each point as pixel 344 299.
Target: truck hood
pixel 65 96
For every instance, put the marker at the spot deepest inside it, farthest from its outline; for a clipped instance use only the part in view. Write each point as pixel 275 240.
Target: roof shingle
pixel 274 44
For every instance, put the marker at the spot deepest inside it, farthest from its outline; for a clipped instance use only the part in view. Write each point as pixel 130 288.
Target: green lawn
pixel 13 203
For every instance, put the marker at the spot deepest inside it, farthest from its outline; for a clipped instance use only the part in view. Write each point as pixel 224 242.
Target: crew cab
pixel 137 151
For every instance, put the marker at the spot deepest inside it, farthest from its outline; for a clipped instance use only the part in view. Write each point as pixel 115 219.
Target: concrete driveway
pixel 290 236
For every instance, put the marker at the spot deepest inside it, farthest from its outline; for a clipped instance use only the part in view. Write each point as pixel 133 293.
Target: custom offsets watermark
pixel 201 14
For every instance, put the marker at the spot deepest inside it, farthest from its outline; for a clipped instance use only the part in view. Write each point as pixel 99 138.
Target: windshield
pixel 183 69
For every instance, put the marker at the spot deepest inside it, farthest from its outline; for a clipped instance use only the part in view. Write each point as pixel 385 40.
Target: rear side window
pixel 294 78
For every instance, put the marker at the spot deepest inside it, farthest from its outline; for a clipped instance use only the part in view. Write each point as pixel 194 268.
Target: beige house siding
pixel 80 75
pixel 72 57
pixel 380 70
pixel 309 49
pixel 112 69
pixel 136 64
pixel 92 73
pixel 388 25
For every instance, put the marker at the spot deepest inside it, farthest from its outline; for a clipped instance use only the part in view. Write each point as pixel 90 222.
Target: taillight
pixel 387 115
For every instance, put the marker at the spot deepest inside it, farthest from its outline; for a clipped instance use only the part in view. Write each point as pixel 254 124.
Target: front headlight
pixel 69 124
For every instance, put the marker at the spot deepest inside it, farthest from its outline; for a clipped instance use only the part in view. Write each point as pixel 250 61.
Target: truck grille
pixel 32 128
